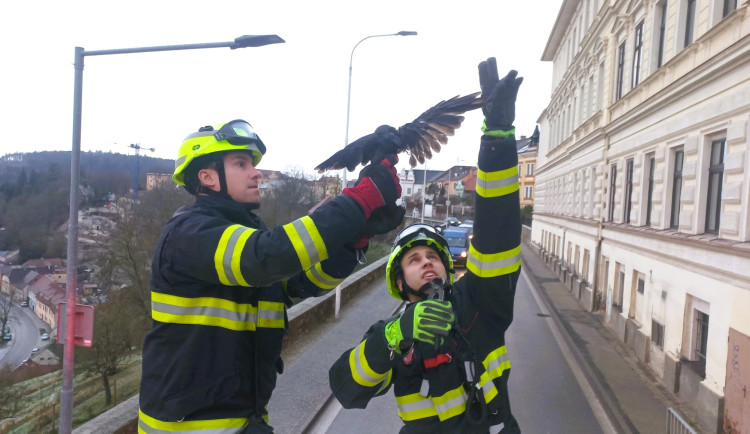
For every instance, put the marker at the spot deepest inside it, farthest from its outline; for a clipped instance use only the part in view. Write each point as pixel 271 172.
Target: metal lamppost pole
pixel 424 190
pixel 349 97
pixel 346 138
pixel 137 147
pixel 66 395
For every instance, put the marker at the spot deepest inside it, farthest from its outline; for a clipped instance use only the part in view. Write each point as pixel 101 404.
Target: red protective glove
pixel 378 185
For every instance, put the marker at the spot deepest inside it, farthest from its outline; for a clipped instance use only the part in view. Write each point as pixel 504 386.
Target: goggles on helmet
pixel 410 232
pixel 239 132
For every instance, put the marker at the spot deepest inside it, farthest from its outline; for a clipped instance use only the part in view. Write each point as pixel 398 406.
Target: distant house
pixel 42 262
pixel 527 149
pixel 44 296
pixel 154 180
pixel 7 257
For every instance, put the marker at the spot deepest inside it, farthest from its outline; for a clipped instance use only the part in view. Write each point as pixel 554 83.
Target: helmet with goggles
pixel 237 135
pixel 412 236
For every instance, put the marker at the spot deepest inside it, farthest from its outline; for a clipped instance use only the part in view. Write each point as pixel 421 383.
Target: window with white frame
pixel 715 177
pixel 637 54
pixel 689 22
pixel 620 71
pixel 650 188
pixel 619 285
pixel 661 40
pixel 612 187
pixel 657 334
pixel 529 192
pixel 519 170
pixel 729 7
pixel 674 219
pixel 628 191
pixel 700 340
pixel 529 169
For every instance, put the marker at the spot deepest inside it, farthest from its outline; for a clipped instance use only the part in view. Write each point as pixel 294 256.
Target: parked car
pixel 24 304
pixel 458 244
pixel 34 350
pixel 45 336
pixel 452 221
pixel 8 336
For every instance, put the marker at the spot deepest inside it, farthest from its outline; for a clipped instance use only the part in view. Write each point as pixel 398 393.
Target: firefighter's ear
pixel 209 178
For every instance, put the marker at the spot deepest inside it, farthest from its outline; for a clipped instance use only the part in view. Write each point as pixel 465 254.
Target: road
pixel 25 337
pixel 545 395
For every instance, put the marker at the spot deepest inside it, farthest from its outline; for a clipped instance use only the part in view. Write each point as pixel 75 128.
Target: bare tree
pixel 6 301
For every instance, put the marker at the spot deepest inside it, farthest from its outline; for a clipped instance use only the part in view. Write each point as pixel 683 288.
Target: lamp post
pixel 137 147
pixel 349 99
pixel 66 394
pixel 346 138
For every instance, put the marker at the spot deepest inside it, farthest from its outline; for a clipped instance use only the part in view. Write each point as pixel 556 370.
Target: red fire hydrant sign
pixel 83 322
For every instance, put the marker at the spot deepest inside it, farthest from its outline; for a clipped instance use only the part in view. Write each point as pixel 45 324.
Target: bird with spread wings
pixel 420 137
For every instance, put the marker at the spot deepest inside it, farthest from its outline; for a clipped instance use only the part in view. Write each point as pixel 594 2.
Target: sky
pixel 294 94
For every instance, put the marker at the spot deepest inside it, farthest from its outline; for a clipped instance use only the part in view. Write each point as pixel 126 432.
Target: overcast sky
pixel 294 93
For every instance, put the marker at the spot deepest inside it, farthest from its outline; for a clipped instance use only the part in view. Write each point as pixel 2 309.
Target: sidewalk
pixel 632 397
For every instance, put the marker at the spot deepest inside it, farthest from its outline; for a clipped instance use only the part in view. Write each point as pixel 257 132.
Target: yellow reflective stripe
pixel 149 425
pixel 271 314
pixel 321 279
pixel 495 364
pixel 229 253
pixel 415 406
pixel 495 184
pixel 307 241
pixel 493 264
pixel 451 403
pixel 361 371
pixel 445 406
pixel 217 312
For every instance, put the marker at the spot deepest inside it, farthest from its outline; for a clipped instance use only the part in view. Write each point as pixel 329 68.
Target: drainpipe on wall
pixel 600 225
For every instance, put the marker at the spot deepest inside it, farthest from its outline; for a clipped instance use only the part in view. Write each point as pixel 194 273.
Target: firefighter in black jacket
pixel 445 355
pixel 221 282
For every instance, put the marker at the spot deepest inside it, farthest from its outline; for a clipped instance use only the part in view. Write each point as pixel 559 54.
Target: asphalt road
pixel 25 337
pixel 545 395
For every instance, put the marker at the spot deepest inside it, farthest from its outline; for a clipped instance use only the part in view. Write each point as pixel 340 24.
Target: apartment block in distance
pixel 643 186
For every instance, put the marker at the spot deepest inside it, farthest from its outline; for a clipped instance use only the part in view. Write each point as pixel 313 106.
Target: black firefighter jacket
pixel 445 391
pixel 219 307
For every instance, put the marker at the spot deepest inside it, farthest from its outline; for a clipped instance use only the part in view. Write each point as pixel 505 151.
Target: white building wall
pixel 698 94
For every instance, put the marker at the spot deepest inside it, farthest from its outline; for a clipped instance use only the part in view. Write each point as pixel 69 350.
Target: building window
pixel 620 71
pixel 408 191
pixel 657 334
pixel 529 192
pixel 612 186
pixel 530 169
pixel 715 176
pixel 700 347
pixel 689 22
pixel 637 51
pixel 620 286
pixel 650 194
pixel 641 284
pixel 662 33
pixel 674 221
pixel 519 170
pixel 628 190
pixel 729 7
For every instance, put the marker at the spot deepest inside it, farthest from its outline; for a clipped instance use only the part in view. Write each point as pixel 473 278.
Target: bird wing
pixel 420 137
pixel 428 132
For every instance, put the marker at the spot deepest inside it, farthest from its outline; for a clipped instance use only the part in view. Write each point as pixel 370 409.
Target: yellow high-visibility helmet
pixel 237 135
pixel 418 234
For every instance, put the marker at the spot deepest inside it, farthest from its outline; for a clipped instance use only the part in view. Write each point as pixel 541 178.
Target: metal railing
pixel 676 424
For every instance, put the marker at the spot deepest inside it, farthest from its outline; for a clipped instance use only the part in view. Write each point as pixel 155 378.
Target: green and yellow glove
pixel 427 321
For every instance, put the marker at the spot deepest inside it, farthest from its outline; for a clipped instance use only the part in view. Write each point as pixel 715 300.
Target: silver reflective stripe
pixel 469 371
pixel 229 253
pixel 179 161
pixel 307 241
pixel 415 406
pixel 204 311
pixel 270 314
pixel 359 353
pixel 494 364
pixel 491 265
pixel 150 430
pixel 495 429
pixel 452 403
pixel 327 281
pixel 499 183
pixel 425 389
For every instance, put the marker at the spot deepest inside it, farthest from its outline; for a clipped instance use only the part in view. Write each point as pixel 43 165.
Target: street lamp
pixel 66 395
pixel 346 138
pixel 349 98
pixel 137 147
